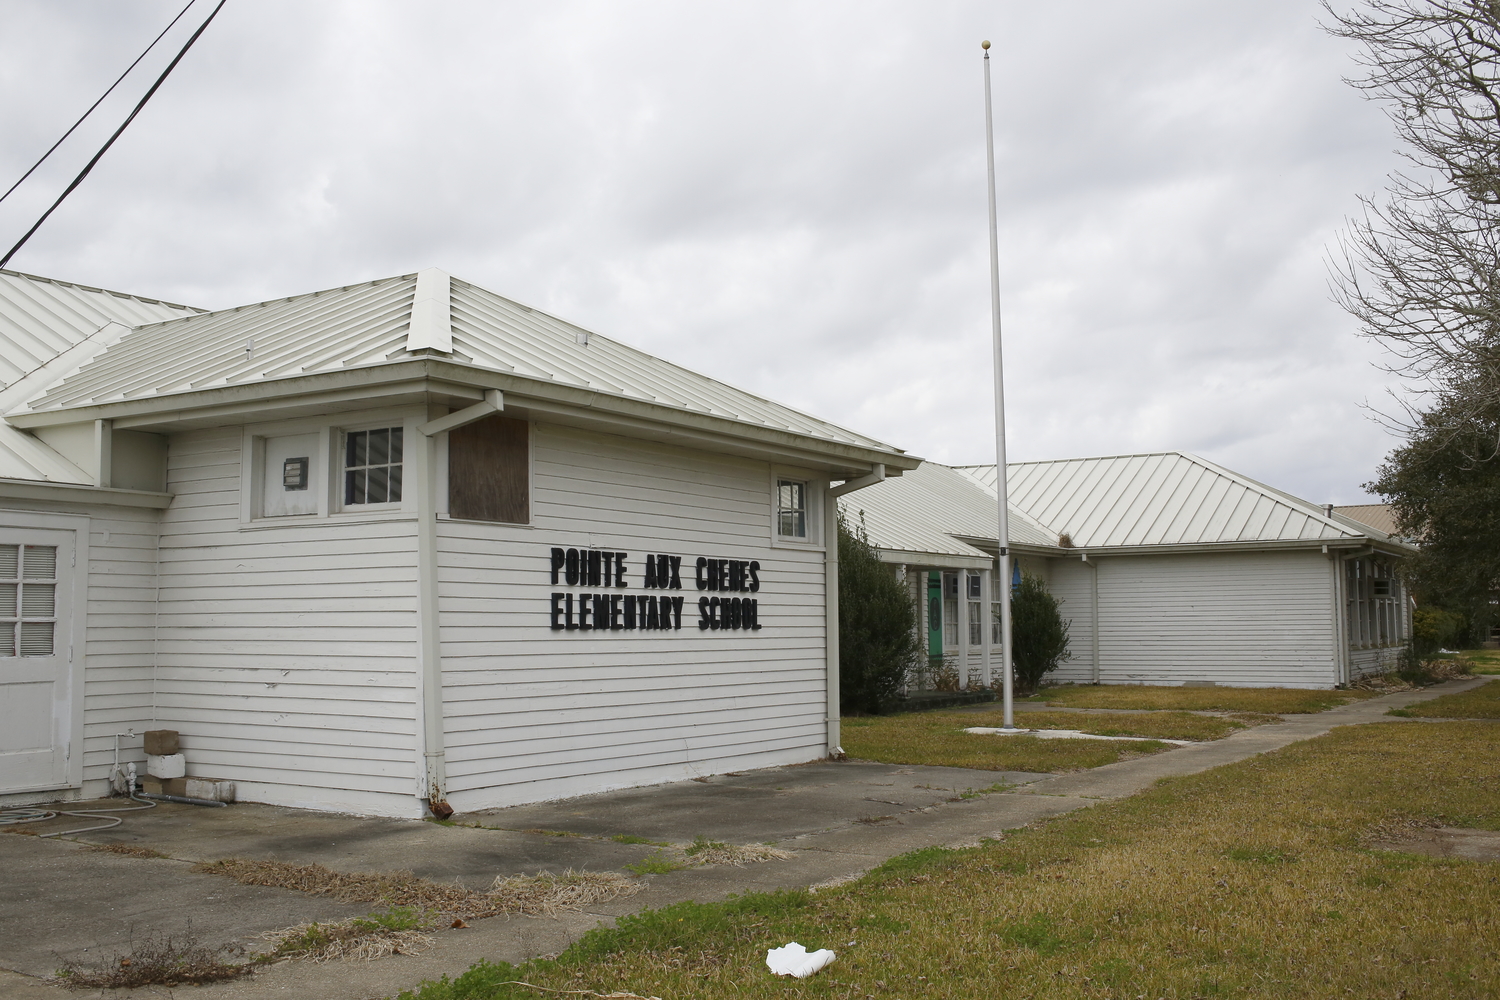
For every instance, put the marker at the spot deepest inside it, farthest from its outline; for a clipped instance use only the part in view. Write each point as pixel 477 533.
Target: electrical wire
pixel 99 155
pixel 100 101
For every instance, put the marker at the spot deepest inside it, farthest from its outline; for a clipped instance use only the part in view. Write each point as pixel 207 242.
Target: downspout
pixel 831 601
pixel 433 788
pixel 1094 615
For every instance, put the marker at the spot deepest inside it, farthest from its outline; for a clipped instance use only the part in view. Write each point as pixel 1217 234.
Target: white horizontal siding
pixel 286 652
pixel 118 652
pixel 1244 619
pixel 534 714
pixel 1071 582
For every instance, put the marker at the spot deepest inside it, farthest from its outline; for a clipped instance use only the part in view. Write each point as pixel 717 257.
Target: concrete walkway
pixel 60 901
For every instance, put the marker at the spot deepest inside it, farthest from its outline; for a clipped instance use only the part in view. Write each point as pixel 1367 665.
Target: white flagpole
pixel 1003 576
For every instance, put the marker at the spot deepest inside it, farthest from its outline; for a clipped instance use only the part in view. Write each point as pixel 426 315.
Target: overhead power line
pixel 105 148
pixel 100 101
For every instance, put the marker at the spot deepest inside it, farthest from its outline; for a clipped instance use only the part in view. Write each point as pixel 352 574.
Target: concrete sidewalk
pixel 61 901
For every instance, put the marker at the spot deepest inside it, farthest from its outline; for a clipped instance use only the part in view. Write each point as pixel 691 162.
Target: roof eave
pixel 462 384
pixel 49 492
pixel 1266 545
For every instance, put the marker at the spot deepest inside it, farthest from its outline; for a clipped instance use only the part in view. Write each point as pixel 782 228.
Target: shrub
pixel 1039 636
pixel 1433 628
pixel 877 626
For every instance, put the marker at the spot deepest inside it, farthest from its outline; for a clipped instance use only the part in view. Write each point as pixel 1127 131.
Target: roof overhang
pixel 936 560
pixel 440 381
pixel 75 493
pixel 1220 548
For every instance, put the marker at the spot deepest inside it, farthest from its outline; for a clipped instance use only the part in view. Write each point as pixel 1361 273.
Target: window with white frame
pixel 28 599
pixel 976 611
pixel 372 466
pixel 791 508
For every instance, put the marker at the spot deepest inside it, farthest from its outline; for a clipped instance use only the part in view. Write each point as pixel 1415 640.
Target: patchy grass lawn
pixel 1272 701
pixel 1252 880
pixel 1481 703
pixel 937 738
pixel 1486 661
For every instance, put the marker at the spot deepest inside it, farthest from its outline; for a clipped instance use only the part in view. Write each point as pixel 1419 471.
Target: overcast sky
pixel 789 196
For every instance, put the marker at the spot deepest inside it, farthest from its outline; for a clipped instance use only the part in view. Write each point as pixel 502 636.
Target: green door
pixel 935 613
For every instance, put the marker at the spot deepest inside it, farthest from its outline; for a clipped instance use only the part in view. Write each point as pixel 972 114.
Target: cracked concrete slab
pixel 841 819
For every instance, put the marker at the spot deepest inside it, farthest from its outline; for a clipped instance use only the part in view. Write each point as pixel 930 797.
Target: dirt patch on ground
pixel 1446 842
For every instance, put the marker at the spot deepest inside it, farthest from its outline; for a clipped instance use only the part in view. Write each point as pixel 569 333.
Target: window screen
pixel 489 471
pixel 372 466
pixel 28 599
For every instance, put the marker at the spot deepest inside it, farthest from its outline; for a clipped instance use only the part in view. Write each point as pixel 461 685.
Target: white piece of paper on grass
pixel 795 960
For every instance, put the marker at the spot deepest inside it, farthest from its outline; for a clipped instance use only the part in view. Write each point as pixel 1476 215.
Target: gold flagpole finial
pixel 984 44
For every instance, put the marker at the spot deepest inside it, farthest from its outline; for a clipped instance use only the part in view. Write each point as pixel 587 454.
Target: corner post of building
pixel 831 596
pixel 433 780
pixel 831 612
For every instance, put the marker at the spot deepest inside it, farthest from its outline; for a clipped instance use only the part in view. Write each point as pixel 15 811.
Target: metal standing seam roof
pixel 367 324
pixel 41 318
pixel 932 509
pixel 1163 498
pixel 1376 515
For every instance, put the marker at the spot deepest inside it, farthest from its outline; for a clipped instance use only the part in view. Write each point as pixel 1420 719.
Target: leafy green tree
pixel 1449 501
pixel 878 640
pixel 1039 635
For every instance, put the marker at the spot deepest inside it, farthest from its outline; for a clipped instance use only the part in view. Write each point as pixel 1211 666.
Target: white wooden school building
pixel 401 543
pixel 1171 570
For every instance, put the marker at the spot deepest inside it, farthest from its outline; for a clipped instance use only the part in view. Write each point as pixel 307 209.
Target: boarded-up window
pixel 489 476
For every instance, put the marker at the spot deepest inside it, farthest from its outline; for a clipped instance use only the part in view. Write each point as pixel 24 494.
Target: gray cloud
pixel 786 196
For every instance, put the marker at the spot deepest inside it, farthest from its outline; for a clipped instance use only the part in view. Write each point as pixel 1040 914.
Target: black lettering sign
pixel 754 578
pixel 597 611
pixel 675 563
pixel 629 611
pixel 583 612
pixel 572 567
pixel 650 583
pixel 556 607
pixel 558 559
pixel 702 610
pixel 700 577
pixel 614 612
pixel 609 569
pixel 619 569
pixel 568 613
pixel 593 568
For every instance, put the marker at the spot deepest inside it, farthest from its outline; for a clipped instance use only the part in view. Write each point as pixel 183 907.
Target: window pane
pixel 395 444
pixel 375 488
pixel 395 479
pixel 7 601
pixel 354 486
pixel 7 640
pixel 41 562
pixel 36 638
pixel 8 556
pixel 380 447
pixel 355 452
pixel 37 600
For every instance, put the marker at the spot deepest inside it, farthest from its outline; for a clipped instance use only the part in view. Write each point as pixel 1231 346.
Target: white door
pixel 36 658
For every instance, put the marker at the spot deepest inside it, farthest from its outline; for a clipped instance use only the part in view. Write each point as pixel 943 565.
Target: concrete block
pixel 161 742
pixel 214 789
pixel 172 765
pixel 164 786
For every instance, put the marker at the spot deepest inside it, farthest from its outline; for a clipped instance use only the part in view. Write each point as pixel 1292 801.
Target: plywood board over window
pixel 489 475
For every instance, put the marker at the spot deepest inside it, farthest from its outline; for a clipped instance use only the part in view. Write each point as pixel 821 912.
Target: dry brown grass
pixel 1252 880
pixel 1270 701
pixel 397 932
pixel 706 852
pixel 129 850
pixel 159 960
pixel 544 893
